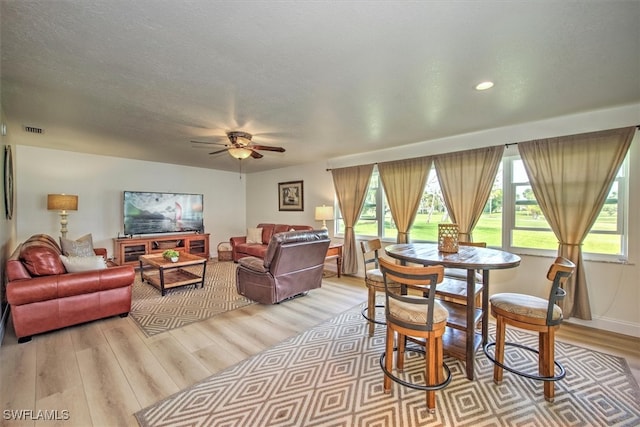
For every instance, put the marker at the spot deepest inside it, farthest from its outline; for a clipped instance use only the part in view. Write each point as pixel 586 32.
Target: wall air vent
pixel 33 129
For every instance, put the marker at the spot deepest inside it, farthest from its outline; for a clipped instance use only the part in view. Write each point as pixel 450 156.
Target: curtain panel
pixel 466 179
pixel 351 186
pixel 403 182
pixel 571 177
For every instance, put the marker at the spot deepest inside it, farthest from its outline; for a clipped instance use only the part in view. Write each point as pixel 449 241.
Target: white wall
pixel 99 182
pixel 614 288
pixel 262 195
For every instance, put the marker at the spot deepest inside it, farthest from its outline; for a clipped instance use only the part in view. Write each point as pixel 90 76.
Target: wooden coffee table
pixel 164 274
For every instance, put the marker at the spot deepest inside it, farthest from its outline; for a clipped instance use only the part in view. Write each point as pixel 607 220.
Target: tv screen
pixel 151 213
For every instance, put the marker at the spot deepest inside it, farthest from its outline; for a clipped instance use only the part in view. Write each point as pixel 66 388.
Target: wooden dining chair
pixel 535 314
pixel 419 317
pixel 374 281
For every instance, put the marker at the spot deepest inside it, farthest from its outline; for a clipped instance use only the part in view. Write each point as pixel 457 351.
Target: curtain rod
pixel 515 143
pixel 330 169
pixel 505 145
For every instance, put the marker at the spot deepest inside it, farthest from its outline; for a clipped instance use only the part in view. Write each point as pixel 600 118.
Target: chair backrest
pixel 296 250
pixel 558 273
pixel 370 250
pixel 422 278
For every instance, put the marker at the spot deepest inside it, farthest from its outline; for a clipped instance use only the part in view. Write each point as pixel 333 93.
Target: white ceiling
pixel 141 79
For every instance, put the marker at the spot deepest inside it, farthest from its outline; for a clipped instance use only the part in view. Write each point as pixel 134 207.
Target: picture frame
pixel 291 196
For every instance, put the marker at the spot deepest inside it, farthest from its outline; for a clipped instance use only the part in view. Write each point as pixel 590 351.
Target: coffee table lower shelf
pixel 172 279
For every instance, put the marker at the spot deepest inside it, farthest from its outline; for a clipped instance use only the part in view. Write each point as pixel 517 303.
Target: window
pixel 529 229
pixel 511 219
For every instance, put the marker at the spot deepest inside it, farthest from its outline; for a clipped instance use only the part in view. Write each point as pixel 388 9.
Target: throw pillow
pixel 41 260
pixel 254 235
pixel 83 246
pixel 75 264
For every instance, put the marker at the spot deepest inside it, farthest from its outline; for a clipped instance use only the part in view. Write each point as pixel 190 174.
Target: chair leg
pixel 547 362
pixel 388 361
pixel 499 349
pixel 402 345
pixel 431 361
pixel 371 310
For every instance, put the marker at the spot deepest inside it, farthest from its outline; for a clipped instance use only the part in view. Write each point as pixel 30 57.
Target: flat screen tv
pixel 152 213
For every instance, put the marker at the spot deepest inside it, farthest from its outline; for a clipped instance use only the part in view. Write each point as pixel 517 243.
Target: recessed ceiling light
pixel 484 85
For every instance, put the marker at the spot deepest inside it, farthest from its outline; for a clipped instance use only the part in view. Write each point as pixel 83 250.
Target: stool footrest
pixel 558 377
pixel 424 387
pixel 366 316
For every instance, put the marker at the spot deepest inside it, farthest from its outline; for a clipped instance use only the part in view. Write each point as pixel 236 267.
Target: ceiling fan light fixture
pixel 239 152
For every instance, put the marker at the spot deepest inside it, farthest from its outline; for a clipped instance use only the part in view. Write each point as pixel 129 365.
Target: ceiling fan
pixel 240 146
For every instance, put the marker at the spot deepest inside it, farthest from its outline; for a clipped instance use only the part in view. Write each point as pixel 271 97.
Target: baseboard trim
pixel 607 324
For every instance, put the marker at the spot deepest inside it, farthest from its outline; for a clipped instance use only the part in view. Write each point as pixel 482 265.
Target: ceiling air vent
pixel 33 129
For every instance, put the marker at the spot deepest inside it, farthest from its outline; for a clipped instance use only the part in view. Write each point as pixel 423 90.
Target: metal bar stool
pixel 534 314
pixel 373 280
pixel 418 317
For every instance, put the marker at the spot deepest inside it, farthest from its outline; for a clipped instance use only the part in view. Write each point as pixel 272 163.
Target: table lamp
pixel 324 213
pixel 62 203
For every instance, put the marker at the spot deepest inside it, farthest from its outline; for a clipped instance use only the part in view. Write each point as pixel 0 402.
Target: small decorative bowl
pixel 174 259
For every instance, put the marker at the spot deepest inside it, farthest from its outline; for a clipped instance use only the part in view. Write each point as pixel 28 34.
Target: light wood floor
pixel 104 371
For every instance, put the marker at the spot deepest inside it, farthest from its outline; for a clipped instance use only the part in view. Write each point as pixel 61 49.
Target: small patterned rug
pixel 330 375
pixel 155 313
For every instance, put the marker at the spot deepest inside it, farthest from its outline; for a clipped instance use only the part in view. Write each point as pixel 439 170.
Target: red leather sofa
pixel 240 248
pixel 43 296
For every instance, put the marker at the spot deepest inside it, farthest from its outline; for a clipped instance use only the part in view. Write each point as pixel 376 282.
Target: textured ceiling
pixel 141 79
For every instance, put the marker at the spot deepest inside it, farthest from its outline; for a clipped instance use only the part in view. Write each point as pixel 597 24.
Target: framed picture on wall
pixel 291 196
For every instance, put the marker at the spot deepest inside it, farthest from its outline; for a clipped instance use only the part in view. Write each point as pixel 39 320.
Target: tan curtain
pixel 403 182
pixel 351 188
pixel 571 177
pixel 466 179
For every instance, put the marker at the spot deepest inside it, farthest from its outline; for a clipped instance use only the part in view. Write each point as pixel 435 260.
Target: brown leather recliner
pixel 292 265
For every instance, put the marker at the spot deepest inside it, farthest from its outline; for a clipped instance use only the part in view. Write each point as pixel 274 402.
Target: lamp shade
pixel 62 202
pixel 239 152
pixel 324 213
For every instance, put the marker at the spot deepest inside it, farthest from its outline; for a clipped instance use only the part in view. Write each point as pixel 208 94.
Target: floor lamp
pixel 62 203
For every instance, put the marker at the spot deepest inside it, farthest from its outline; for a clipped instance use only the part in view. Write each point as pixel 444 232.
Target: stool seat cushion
pixel 524 305
pixel 416 313
pixel 374 275
pixel 374 278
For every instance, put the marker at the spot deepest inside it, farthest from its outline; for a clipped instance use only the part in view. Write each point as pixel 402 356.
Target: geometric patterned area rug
pixel 155 313
pixel 330 375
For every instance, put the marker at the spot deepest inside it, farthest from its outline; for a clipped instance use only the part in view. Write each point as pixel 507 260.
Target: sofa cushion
pixel 81 247
pixel 41 260
pixel 267 232
pixel 74 264
pixel 253 250
pixel 254 235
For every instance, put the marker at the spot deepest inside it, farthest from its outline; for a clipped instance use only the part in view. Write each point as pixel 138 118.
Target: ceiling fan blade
pixel 219 151
pixel 267 148
pixel 208 143
pixel 256 155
